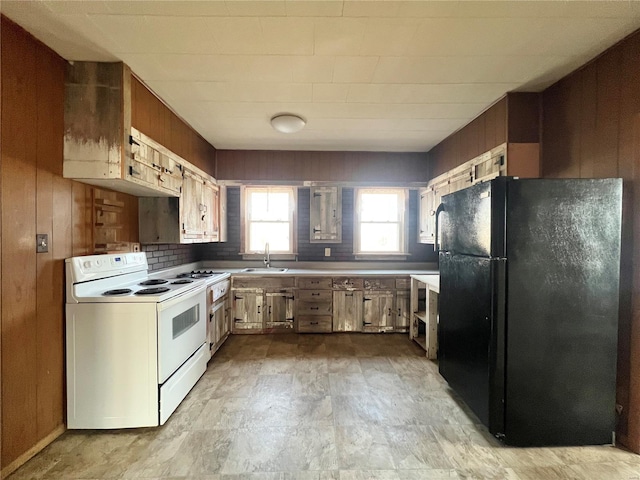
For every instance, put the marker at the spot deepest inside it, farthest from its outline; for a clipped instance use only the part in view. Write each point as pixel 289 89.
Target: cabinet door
pixel 190 206
pixel 209 211
pixel 228 315
pixel 403 310
pixel 426 211
pixel 439 191
pixel 489 165
pixel 222 213
pixel 219 325
pixel 247 310
pixel 347 311
pixel 325 215
pixel 377 311
pixel 460 180
pixel 280 310
pixel 170 177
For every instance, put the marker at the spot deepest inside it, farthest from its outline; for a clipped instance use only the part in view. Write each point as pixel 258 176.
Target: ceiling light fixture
pixel 288 123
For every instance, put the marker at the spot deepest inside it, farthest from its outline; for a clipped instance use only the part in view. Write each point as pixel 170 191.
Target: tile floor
pixel 319 407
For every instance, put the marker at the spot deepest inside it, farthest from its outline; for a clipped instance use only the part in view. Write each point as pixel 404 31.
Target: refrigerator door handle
pixel 435 241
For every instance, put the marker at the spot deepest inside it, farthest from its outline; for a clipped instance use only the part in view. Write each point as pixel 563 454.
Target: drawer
pixel 263 282
pixel 314 308
pixel 314 295
pixel 347 283
pixel 314 324
pixel 379 283
pixel 403 283
pixel 314 283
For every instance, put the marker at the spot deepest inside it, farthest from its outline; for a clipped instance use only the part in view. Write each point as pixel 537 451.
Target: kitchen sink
pixel 264 270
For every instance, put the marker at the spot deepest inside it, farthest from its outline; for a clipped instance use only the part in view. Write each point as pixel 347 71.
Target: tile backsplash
pixel 166 255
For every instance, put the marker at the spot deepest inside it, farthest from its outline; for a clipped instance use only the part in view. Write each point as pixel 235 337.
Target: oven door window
pixel 186 320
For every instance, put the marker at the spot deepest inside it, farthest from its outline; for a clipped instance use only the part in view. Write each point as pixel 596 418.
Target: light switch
pixel 327 252
pixel 42 243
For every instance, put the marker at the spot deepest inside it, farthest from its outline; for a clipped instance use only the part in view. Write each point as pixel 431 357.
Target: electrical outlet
pixel 327 252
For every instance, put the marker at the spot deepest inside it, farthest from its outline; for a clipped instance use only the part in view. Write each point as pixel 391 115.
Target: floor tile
pixel 363 447
pixel 319 407
pixel 282 449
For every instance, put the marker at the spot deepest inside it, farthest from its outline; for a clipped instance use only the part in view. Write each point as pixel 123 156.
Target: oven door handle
pixel 181 298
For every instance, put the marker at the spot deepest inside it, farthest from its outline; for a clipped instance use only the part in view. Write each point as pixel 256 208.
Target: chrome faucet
pixel 266 260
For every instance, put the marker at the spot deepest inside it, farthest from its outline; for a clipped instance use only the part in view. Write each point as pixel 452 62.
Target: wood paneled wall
pixel 514 119
pixel 35 198
pixel 283 166
pixel 485 132
pixel 591 129
pixel 153 118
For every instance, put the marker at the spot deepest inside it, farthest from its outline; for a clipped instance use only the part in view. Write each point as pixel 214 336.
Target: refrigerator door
pixel 472 220
pixel 471 333
pixel 563 250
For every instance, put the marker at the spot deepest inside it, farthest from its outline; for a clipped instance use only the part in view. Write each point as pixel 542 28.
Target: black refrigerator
pixel 528 306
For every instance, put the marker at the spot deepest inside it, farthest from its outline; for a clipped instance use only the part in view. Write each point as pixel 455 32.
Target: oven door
pixel 182 329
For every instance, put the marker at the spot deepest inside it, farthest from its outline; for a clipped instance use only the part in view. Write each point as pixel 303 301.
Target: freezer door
pixel 563 287
pixel 472 220
pixel 471 333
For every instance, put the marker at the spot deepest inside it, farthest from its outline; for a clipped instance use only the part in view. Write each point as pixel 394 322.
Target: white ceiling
pixel 367 75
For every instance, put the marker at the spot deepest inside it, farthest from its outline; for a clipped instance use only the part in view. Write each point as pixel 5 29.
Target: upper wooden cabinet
pixel 325 215
pixel 97 125
pixel 153 165
pixel 199 209
pixel 482 168
pixel 103 101
pixel 194 217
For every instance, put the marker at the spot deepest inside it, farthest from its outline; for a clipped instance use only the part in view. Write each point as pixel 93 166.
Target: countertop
pixel 311 271
pixel 432 280
pixel 332 272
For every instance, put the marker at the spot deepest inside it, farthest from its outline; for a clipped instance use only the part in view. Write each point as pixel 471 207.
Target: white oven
pixel 182 326
pixel 133 352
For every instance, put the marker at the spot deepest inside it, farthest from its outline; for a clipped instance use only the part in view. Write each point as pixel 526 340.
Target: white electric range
pixel 136 343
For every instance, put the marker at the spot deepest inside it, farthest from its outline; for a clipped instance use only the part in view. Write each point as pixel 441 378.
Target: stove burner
pixel 157 281
pixel 151 291
pixel 201 275
pixel 119 291
pixel 184 275
pixel 180 282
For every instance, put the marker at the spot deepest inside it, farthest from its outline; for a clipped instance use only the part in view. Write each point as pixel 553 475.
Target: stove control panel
pixel 99 266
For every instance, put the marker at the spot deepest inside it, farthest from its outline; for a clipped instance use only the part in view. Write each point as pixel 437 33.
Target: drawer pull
pixel 313 323
pixel 315 294
pixel 314 308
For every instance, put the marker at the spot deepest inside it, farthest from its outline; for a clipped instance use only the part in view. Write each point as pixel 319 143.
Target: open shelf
pixel 422 316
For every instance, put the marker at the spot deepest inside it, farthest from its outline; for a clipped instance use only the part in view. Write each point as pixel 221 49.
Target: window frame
pixel 245 229
pixel 402 224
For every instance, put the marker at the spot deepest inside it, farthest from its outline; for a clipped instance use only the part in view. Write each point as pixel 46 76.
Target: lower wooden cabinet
pixel 320 304
pixel 247 309
pixel 263 304
pixel 378 311
pixel 219 324
pixel 314 305
pixel 347 311
pixel 314 323
pixel 280 307
pixel 403 310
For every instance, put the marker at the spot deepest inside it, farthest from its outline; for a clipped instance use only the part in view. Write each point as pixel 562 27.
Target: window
pixel 379 221
pixel 269 218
